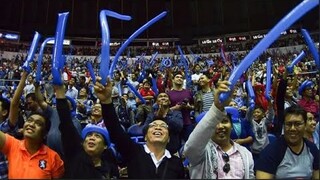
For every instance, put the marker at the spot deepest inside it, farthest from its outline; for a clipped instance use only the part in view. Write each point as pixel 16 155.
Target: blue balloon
pixel 186 68
pixel 93 77
pixel 40 57
pixel 311 46
pixel 152 59
pixel 275 32
pixel 136 92
pixel 154 86
pixel 251 94
pixel 57 57
pixel 268 85
pixel 295 61
pixel 31 52
pixel 132 37
pixel 105 48
pixel 200 116
pixel 119 89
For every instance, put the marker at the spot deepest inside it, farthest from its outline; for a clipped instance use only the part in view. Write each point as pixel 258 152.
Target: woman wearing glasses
pixel 211 152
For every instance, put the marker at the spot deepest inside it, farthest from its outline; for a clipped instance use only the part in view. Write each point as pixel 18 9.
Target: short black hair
pixel 5 103
pixel 146 125
pixel 45 117
pixel 177 73
pixel 32 96
pixel 296 110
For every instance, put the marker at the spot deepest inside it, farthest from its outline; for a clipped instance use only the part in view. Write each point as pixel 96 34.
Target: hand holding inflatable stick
pixel 31 52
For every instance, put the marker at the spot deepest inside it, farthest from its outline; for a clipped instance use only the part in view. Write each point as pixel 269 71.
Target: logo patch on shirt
pixel 42 164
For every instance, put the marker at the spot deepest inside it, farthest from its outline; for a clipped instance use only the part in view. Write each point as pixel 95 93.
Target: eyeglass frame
pixel 162 125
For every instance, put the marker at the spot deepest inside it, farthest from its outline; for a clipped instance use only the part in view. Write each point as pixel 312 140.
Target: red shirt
pixel 145 92
pixel 309 106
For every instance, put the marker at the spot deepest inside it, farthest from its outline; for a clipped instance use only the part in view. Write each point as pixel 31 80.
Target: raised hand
pixel 222 87
pixel 103 92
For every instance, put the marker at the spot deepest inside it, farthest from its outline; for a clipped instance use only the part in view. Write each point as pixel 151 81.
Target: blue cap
pixel 304 85
pixel 97 129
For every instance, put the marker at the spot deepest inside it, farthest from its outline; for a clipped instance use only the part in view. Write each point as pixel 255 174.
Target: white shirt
pixel 154 159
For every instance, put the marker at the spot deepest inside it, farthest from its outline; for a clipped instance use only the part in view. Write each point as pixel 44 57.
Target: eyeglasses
pixel 295 124
pixel 163 125
pixel 226 167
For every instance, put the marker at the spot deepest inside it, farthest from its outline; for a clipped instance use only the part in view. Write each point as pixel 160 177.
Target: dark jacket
pixel 139 163
pixel 78 163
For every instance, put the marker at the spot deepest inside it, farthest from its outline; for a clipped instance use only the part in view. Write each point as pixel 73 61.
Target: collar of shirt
pixel 154 159
pixel 41 150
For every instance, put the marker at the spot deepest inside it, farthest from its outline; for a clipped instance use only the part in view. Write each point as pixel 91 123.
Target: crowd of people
pixel 160 121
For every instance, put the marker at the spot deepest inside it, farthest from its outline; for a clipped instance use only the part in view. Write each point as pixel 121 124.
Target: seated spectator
pixel 152 160
pixel 172 117
pixel 209 149
pixel 282 158
pixel 83 159
pixel 311 134
pixel 30 158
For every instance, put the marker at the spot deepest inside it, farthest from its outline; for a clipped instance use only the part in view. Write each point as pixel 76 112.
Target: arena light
pixel 66 42
pixel 11 36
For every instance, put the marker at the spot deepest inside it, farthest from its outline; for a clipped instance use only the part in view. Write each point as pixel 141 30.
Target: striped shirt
pixel 207 100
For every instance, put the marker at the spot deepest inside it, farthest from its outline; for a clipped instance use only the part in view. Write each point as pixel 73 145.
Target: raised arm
pixel 39 97
pixel 14 105
pixel 194 148
pixel 70 137
pixel 119 137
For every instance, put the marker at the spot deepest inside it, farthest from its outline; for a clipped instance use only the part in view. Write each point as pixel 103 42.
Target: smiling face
pixel 94 144
pixel 157 133
pixel 178 79
pixel 163 99
pixel 34 128
pixel 222 132
pixel 294 127
pixel 203 80
pixel 96 110
pixel 258 114
pixel 311 123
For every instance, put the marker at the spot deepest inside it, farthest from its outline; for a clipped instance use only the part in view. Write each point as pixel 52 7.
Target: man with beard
pixel 211 152
pixel 290 156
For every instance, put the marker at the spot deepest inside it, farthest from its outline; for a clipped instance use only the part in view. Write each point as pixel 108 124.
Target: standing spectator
pixel 260 121
pixel 209 149
pixel 182 100
pixel 29 88
pixel 203 97
pixel 282 158
pixel 72 91
pixel 195 77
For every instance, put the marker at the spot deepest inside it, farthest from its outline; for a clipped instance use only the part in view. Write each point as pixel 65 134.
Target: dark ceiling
pixel 186 19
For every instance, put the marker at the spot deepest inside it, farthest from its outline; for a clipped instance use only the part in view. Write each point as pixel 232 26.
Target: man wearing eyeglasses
pixel 291 156
pixel 152 160
pixel 209 149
